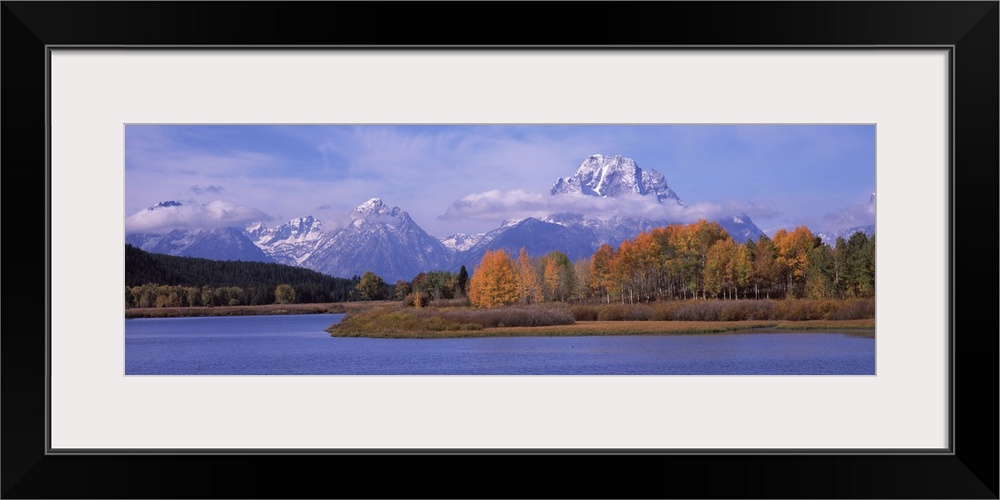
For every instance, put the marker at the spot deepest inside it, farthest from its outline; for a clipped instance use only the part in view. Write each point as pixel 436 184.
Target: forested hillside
pixel 193 281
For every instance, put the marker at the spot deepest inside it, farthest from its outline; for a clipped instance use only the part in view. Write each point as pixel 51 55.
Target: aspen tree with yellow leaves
pixel 494 281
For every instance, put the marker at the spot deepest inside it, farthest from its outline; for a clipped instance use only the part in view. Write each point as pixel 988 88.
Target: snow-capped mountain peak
pixel 305 225
pixel 380 239
pixel 372 206
pixel 614 176
pixel 164 204
pixel 375 209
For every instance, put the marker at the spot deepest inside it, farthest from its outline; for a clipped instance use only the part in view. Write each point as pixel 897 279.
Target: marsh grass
pixel 395 321
pixel 849 324
pixel 730 310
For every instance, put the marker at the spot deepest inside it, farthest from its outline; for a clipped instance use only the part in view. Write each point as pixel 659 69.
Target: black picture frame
pixel 969 28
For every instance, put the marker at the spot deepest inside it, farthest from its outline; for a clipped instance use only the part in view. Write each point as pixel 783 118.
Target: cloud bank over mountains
pixel 602 187
pixel 494 206
pixel 608 200
pixel 167 216
pixel 467 178
pixel 853 216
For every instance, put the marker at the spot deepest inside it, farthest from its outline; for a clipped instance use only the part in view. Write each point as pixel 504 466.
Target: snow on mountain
pixel 830 237
pixel 741 228
pixel 255 230
pixel 221 243
pixel 164 204
pixel 227 243
pixel 381 239
pixel 376 238
pixel 619 176
pixel 613 176
pixel 580 235
pixel 289 243
pixel 373 206
pixel 460 242
pixel 576 235
pixel 386 241
pixel 536 236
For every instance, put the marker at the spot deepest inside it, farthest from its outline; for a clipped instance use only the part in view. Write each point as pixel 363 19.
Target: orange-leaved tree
pixel 495 281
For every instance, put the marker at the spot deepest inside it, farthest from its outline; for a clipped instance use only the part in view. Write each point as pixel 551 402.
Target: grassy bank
pixel 730 310
pixel 588 328
pixel 847 324
pixel 395 321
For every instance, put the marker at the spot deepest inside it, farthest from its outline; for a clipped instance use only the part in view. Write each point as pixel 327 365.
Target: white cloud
pixel 211 188
pixel 218 213
pixel 497 205
pixel 850 217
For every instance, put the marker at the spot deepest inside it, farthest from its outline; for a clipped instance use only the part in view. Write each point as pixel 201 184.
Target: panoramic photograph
pixel 499 249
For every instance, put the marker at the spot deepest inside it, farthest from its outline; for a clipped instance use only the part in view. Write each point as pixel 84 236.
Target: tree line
pixel 698 260
pixel 424 287
pixel 680 261
pixel 701 260
pixel 502 281
pixel 157 280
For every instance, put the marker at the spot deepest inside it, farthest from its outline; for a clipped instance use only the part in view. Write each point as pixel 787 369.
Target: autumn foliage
pixel 495 281
pixel 701 260
pixel 684 261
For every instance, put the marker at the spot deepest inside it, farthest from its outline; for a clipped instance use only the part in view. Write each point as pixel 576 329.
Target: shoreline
pixel 865 328
pixel 860 327
pixel 261 310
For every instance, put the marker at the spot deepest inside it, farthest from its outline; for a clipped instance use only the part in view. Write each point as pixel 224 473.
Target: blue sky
pixel 470 178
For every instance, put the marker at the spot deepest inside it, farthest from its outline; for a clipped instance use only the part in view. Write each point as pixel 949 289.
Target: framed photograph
pixel 153 106
pixel 466 249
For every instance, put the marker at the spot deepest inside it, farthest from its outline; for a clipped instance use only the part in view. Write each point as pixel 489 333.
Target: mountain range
pixel 386 241
pixel 830 238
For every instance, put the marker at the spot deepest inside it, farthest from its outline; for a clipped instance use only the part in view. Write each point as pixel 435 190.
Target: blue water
pixel 298 344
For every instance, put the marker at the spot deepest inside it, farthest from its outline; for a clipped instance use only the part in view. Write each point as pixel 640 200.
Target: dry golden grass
pixel 179 312
pixel 819 324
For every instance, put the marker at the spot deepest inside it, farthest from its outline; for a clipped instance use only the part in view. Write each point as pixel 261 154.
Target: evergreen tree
pixel 463 281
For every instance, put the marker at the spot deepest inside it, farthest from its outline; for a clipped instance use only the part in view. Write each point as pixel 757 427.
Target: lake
pixel 298 345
